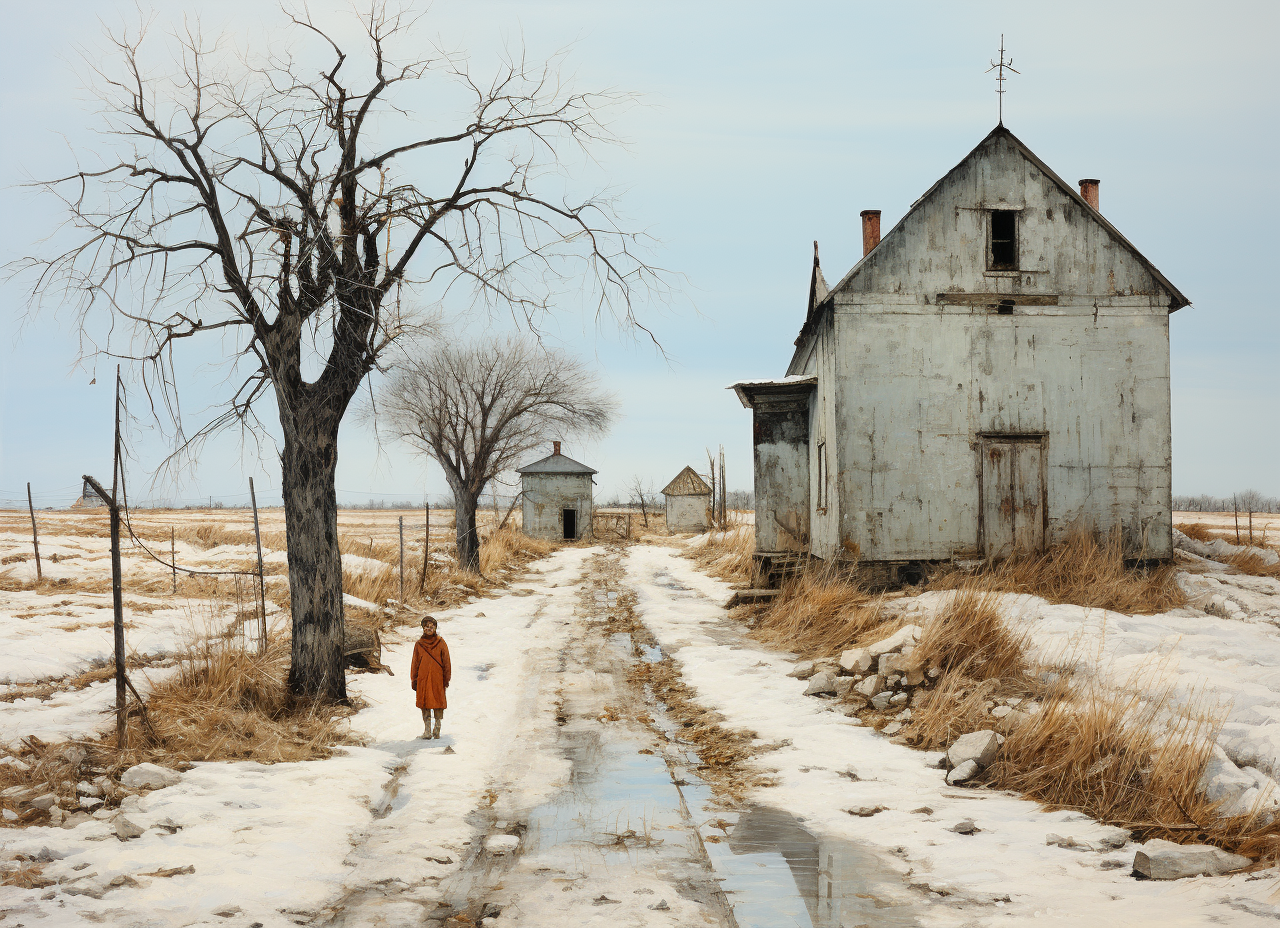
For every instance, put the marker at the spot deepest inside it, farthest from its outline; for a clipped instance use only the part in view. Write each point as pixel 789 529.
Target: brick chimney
pixel 870 230
pixel 555 447
pixel 1089 190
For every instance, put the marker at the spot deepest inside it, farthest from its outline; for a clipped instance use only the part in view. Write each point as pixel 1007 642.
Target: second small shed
pixel 557 497
pixel 688 498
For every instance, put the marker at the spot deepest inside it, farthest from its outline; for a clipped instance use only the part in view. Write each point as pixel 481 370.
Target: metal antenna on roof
pixel 999 67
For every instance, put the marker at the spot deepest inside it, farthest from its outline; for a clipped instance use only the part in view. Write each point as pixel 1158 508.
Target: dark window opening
pixel 1005 308
pixel 1004 240
pixel 570 524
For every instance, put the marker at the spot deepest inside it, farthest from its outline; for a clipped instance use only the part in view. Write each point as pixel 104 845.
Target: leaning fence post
pixel 35 538
pixel 426 545
pixel 173 557
pixel 402 561
pixel 262 586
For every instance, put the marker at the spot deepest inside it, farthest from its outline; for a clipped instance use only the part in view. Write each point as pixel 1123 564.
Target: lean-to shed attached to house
pixel 992 375
pixel 688 499
pixel 557 497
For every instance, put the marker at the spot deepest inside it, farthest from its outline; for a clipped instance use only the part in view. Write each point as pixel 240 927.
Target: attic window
pixel 1004 240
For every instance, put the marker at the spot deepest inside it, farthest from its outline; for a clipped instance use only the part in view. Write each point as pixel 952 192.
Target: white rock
pixel 16 793
pixel 881 700
pixel 978 746
pixel 46 801
pixel 126 829
pixel 16 764
pixel 871 685
pixel 856 660
pixel 501 844
pixel 908 634
pixel 150 776
pixel 963 772
pixel 844 685
pixel 898 699
pixel 1164 860
pixel 85 788
pixel 9 815
pixel 891 729
pixel 1001 711
pixel 89 802
pixel 803 670
pixel 821 684
pixel 1225 783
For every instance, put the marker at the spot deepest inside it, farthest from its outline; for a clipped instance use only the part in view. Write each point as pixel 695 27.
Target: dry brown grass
pixel 1253 564
pixel 970 637
pixel 508 548
pixel 1197 531
pixel 728 556
pixel 226 702
pixel 822 612
pixel 1083 571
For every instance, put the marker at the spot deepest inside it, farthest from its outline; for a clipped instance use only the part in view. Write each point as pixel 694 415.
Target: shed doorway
pixel 1013 495
pixel 570 524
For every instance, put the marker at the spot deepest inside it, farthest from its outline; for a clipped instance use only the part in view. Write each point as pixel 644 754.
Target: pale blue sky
pixel 765 126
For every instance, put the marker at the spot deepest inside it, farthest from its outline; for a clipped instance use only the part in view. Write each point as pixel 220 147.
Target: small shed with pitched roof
pixel 688 499
pixel 557 497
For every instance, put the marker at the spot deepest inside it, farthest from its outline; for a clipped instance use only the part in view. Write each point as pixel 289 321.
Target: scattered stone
pixel 1113 865
pixel 660 906
pixel 45 802
pixel 171 871
pixel 803 670
pixel 1163 860
pixel 908 634
pixel 1012 719
pixel 867 811
pixel 844 686
pixel 849 774
pixel 903 716
pixel 93 888
pixel 490 910
pixel 963 772
pixel 150 776
pixel 501 844
pixel 856 660
pixel 1014 701
pixel 1052 840
pixel 965 827
pixel 1001 711
pixel 20 766
pixel 85 788
pixel 9 815
pixel 821 684
pixel 923 810
pixel 915 676
pixel 898 699
pixel 227 911
pixel 104 814
pixel 76 818
pixel 17 793
pixel 126 829
pixel 89 802
pixel 871 685
pixel 448 749
pixel 604 900
pixel 55 816
pixel 881 700
pixel 73 754
pixel 167 825
pixel 1115 839
pixel 891 729
pixel 934 672
pixel 978 746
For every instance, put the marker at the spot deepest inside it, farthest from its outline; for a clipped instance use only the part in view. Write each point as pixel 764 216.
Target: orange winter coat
pixel 429 672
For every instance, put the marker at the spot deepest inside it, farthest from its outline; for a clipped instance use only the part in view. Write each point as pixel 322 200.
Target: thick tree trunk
pixel 315 565
pixel 465 505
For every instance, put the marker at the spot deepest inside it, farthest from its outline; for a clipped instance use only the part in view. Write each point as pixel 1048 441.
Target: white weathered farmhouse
pixel 993 374
pixel 688 497
pixel 557 498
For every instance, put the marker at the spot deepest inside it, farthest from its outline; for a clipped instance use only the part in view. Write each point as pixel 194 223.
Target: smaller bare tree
pixel 644 495
pixel 478 408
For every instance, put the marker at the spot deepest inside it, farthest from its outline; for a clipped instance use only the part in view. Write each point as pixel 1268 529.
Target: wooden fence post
pixel 35 538
pixel 402 561
pixel 262 586
pixel 173 557
pixel 426 545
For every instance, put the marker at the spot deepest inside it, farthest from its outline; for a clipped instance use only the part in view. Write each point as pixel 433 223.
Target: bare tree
pixel 287 210
pixel 479 408
pixel 644 495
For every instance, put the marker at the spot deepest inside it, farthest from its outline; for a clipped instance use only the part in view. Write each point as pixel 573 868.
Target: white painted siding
pixel 687 513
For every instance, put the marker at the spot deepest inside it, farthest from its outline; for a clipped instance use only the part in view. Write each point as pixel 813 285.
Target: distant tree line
pixel 1244 501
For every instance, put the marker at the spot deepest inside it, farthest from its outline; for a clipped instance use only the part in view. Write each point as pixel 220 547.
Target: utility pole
pixel 35 538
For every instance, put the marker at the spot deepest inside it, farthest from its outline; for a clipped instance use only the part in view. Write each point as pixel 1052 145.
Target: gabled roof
pixel 1177 299
pixel 818 288
pixel 687 483
pixel 556 464
pixel 748 390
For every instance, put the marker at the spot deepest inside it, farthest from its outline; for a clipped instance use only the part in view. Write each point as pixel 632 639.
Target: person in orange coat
pixel 429 674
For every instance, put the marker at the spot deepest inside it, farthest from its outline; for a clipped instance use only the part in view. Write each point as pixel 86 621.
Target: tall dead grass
pixel 226 702
pixel 728 556
pixel 1084 571
pixel 508 548
pixel 970 637
pixel 820 613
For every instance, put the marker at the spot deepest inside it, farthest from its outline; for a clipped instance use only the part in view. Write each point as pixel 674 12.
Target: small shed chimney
pixel 1089 190
pixel 870 230
pixel 555 447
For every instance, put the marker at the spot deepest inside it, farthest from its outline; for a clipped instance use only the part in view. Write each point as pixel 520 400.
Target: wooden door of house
pixel 1013 513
